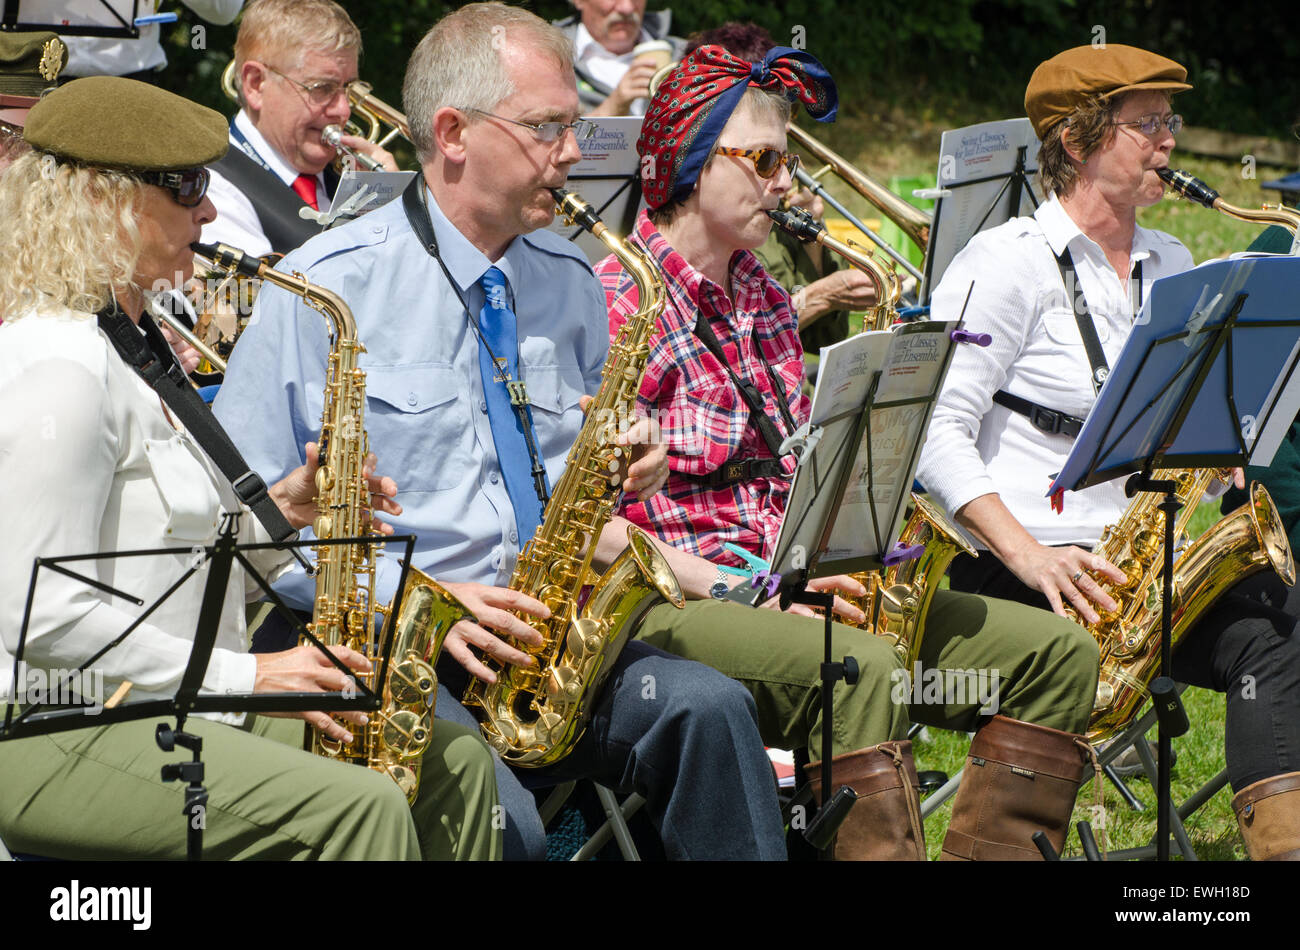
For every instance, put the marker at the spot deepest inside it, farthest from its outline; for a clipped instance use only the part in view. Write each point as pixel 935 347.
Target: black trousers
pixel 1246 647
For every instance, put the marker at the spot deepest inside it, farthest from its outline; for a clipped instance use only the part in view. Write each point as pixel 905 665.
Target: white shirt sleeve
pixel 219 12
pixel 236 223
pixel 951 468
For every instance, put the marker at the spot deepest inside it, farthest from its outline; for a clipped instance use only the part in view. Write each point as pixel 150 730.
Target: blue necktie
pixel 497 323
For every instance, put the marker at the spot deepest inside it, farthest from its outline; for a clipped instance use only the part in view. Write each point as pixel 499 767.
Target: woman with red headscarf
pixel 723 381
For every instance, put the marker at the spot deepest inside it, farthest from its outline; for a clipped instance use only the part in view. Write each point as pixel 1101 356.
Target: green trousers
pixel 978 656
pixel 96 793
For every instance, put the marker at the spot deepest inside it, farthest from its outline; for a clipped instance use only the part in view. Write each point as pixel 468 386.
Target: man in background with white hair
pixel 612 78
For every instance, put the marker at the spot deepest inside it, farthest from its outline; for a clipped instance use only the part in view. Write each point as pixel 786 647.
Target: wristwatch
pixel 720 587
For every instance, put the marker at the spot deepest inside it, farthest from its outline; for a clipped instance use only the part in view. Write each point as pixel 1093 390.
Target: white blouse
pixel 89 462
pixel 975 447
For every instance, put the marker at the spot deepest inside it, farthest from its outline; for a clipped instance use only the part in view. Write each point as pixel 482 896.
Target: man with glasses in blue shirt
pixel 492 102
pixel 293 62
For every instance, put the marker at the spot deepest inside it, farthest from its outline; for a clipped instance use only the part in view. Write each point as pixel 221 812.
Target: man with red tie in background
pixel 293 62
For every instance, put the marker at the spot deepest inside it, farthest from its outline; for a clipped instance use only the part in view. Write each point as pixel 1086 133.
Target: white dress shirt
pixel 112 55
pixel 609 68
pixel 974 447
pixel 89 462
pixel 237 223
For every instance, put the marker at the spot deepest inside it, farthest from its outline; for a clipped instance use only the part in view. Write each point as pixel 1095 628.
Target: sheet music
pixel 984 151
pixel 609 162
pixel 909 361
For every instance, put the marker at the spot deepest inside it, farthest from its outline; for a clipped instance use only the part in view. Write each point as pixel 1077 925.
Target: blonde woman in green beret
pixel 99 215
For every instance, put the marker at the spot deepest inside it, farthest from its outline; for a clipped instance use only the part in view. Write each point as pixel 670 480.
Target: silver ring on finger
pixel 1074 579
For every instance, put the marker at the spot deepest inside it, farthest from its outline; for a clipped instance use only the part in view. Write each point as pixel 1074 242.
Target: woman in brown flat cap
pixel 1008 414
pixel 99 215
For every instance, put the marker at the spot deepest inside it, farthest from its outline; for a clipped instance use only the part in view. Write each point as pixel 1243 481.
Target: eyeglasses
pixel 766 160
pixel 187 187
pixel 319 94
pixel 1152 123
pixel 583 129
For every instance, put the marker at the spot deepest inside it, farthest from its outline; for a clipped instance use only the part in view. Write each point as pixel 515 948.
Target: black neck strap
pixel 748 391
pixel 1083 317
pixel 417 215
pixel 149 354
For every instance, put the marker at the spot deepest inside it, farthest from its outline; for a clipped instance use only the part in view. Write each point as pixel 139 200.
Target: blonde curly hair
pixel 70 235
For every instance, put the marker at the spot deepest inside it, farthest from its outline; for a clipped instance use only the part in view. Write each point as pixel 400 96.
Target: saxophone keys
pixel 322 526
pixel 549 728
pixel 586 637
pixel 406 780
pixel 406 732
pixel 563 684
pixel 412 681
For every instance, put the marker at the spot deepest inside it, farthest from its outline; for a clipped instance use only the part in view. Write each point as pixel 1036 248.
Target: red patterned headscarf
pixel 692 106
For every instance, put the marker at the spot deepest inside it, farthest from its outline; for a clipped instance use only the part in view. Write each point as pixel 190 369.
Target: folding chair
pixel 615 825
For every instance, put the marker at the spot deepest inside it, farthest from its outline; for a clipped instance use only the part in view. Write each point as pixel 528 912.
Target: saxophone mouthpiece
pixel 575 209
pixel 798 222
pixel 1190 187
pixel 231 258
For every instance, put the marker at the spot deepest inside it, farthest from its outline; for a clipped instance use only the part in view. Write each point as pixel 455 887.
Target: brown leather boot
pixel 1019 778
pixel 884 824
pixel 1268 814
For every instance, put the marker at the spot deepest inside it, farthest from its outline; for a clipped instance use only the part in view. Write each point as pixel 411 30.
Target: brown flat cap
pixel 115 122
pixel 1067 80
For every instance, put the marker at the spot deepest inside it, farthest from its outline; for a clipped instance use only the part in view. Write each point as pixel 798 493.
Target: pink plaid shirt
pixel 703 419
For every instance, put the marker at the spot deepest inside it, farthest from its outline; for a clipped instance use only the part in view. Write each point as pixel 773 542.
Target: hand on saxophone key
pixel 842 608
pixel 1067 574
pixel 491 607
pixel 643 469
pixel 304 670
pixel 295 494
pixel 188 356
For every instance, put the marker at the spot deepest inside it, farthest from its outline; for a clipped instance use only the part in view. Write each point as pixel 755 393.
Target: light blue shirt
pixel 425 413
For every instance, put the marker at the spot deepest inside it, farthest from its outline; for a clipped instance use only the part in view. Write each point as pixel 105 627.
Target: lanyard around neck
pixel 417 214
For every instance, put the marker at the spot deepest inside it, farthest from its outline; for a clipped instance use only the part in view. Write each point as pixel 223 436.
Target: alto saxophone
pixel 345 611
pixel 889 286
pixel 533 716
pixel 1242 543
pixel 898 598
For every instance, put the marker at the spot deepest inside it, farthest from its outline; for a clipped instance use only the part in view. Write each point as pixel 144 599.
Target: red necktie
pixel 305 187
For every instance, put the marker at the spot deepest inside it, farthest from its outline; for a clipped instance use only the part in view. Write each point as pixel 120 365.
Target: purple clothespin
pixel 966 336
pixel 766 579
pixel 900 553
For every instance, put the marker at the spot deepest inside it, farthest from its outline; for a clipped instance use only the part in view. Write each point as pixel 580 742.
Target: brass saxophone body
pixel 898 598
pixel 533 716
pixel 345 612
pixel 1248 540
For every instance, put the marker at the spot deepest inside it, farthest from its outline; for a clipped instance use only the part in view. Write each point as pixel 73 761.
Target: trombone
pixel 914 222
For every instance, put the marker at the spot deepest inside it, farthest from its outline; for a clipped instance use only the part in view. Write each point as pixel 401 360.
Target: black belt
pixel 1040 417
pixel 740 470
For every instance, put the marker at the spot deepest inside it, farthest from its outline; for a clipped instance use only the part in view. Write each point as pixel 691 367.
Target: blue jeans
pixel 682 735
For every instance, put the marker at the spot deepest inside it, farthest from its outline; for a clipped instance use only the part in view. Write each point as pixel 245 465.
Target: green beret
pixel 115 122
pixel 30 62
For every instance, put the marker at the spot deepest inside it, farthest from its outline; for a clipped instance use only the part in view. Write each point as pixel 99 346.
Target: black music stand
pixel 1175 400
pixel 221 556
pixel 10 21
pixel 830 455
